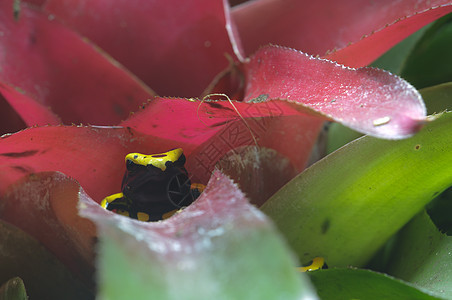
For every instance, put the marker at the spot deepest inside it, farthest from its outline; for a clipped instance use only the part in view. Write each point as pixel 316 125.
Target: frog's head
pixel 159 160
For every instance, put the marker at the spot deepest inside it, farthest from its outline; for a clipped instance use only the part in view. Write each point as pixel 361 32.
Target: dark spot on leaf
pixel 20 154
pixel 23 169
pixel 219 124
pixel 325 226
pixel 16 10
pixel 217 105
pixel 32 38
pixel 417 147
pixel 118 109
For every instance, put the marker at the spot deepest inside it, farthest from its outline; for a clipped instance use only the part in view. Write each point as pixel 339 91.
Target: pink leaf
pixel 210 129
pixel 31 111
pixel 316 27
pixel 368 100
pixel 59 69
pixel 94 156
pixel 371 46
pixel 217 203
pixel 175 47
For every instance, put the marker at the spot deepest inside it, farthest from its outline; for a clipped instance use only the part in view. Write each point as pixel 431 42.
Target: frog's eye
pixel 131 166
pixel 315 264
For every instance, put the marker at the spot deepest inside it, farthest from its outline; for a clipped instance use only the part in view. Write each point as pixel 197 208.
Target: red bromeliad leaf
pixel 316 27
pixel 57 68
pixel 94 156
pixel 372 46
pixel 45 206
pixel 29 110
pixel 368 100
pixel 215 128
pixel 175 47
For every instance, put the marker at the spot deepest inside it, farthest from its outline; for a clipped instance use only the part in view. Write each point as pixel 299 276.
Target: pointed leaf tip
pixel 368 100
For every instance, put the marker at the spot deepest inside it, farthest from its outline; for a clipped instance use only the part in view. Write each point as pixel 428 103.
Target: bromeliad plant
pixel 93 62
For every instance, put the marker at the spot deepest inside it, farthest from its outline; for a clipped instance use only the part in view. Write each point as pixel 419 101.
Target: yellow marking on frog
pixel 200 187
pixel 169 214
pixel 124 213
pixel 317 263
pixel 157 160
pixel 143 216
pixel 110 199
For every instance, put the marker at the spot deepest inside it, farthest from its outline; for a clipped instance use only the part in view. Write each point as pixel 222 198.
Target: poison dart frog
pixel 154 187
pixel 315 264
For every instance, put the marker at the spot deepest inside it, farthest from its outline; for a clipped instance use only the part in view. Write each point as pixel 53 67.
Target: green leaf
pixel 339 135
pixel 440 211
pixel 438 98
pixel 394 59
pixel 429 63
pixel 423 256
pixel 348 204
pixel 363 284
pixel 220 247
pixel 13 289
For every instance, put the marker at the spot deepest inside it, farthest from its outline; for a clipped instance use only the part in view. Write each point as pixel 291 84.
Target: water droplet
pixel 381 121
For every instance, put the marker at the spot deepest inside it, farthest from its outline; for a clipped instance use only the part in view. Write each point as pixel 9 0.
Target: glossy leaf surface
pixel 363 284
pixel 423 256
pixel 348 204
pixel 220 247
